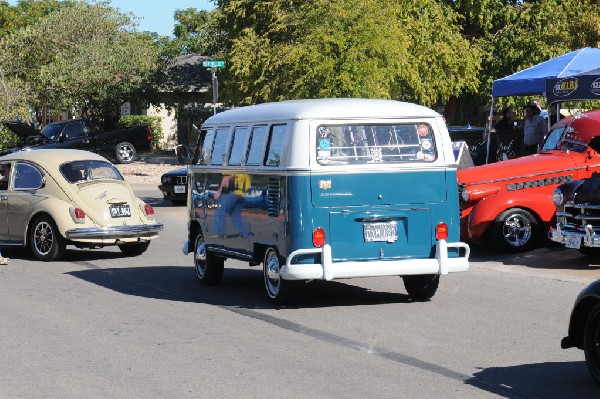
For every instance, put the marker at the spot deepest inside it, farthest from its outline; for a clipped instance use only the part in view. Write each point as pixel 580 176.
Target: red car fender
pixel 486 210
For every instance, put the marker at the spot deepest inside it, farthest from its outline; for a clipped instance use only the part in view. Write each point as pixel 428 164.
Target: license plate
pixel 179 189
pixel 380 232
pixel 572 241
pixel 119 211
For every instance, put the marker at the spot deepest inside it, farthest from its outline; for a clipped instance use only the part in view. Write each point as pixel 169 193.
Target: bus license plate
pixel 380 232
pixel 119 211
pixel 572 241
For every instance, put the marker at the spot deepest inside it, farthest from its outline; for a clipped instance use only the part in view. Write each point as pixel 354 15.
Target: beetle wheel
pixel 47 244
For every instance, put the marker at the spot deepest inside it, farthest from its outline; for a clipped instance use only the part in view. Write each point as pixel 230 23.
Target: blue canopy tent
pixel 533 80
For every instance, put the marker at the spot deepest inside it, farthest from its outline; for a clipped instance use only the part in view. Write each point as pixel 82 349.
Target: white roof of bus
pixel 327 108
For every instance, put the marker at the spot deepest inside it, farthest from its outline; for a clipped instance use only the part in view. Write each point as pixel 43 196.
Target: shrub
pixel 7 138
pixel 143 120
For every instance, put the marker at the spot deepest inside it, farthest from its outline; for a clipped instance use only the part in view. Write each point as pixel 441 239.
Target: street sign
pixel 213 64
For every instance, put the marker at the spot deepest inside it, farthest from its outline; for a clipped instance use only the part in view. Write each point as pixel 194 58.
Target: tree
pixel 86 58
pixel 198 31
pixel 26 12
pixel 284 49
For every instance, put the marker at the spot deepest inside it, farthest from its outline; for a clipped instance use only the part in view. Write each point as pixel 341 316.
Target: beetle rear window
pixel 77 171
pixel 371 144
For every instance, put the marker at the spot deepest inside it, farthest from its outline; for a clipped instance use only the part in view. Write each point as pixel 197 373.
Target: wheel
pixel 280 291
pixel 134 249
pixel 422 287
pixel 209 268
pixel 125 152
pixel 591 342
pixel 515 230
pixel 47 244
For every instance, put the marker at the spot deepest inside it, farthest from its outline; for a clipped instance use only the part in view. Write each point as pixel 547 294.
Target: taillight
pixel 318 237
pixel 149 133
pixel 78 215
pixel 441 231
pixel 149 211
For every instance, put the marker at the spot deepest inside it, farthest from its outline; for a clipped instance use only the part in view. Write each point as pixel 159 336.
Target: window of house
pixel 238 147
pixel 220 146
pixel 276 145
pixel 258 141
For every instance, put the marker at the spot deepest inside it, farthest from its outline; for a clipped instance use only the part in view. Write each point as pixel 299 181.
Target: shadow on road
pixel 241 288
pixel 540 380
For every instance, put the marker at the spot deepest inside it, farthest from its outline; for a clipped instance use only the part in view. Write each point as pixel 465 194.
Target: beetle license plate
pixel 572 241
pixel 179 189
pixel 380 232
pixel 119 211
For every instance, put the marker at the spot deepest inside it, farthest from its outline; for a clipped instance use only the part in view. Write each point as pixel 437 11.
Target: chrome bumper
pixel 114 233
pixel 588 238
pixel 329 270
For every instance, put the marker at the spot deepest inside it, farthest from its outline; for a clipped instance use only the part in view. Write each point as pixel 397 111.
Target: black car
pixel 584 328
pixel 173 185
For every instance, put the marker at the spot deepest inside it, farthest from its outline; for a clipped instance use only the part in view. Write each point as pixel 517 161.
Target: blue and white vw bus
pixel 326 189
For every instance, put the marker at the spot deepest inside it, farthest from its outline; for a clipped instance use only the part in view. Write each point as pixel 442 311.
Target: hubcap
pixel 517 230
pixel 125 153
pixel 272 278
pixel 200 257
pixel 43 238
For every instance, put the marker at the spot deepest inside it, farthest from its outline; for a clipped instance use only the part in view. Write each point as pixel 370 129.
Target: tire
pixel 515 230
pixel 46 242
pixel 209 268
pixel 422 287
pixel 134 249
pixel 125 152
pixel 591 342
pixel 280 291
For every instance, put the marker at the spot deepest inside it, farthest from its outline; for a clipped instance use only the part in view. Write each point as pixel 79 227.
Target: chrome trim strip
pixel 136 231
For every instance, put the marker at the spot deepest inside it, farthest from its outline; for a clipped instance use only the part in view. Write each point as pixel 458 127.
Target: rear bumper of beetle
pixel 142 231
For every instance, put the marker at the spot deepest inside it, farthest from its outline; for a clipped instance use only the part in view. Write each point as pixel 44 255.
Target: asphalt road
pixel 100 325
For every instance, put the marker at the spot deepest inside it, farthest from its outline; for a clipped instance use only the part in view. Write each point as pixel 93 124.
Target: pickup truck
pixel 121 145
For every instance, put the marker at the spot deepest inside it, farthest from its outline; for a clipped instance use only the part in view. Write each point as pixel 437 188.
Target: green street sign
pixel 213 64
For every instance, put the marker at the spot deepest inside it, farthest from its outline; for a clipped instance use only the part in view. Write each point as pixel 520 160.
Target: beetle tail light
pixel 78 215
pixel 318 237
pixel 149 211
pixel 441 231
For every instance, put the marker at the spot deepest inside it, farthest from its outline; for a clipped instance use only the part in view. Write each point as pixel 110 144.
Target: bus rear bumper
pixel 329 270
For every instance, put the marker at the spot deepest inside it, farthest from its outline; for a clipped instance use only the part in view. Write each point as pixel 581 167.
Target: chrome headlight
pixel 558 197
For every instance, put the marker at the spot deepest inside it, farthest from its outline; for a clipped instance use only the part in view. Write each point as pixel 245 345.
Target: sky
pixel 155 15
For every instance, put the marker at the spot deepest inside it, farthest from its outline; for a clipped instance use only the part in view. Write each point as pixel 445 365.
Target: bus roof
pixel 326 108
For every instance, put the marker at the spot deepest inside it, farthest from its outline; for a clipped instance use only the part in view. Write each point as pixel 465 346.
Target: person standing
pixel 508 119
pixel 534 130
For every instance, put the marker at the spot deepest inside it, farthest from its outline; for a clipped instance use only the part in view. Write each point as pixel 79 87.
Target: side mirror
pixel 183 154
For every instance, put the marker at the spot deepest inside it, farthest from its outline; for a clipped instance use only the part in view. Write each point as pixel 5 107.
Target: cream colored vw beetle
pixel 51 198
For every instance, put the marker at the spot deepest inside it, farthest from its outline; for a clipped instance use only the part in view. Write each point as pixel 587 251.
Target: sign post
pixel 213 65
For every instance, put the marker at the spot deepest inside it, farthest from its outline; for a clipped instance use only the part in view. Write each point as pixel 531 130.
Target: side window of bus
pixel 240 138
pixel 276 145
pixel 209 139
pixel 220 147
pixel 258 142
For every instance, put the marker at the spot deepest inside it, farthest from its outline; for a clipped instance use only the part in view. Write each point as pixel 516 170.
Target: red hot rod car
pixel 510 203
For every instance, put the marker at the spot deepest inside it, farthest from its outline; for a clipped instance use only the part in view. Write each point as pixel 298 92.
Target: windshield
pixel 77 171
pixel 367 144
pixel 559 139
pixel 50 131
